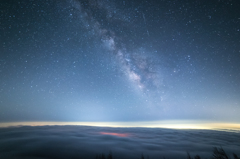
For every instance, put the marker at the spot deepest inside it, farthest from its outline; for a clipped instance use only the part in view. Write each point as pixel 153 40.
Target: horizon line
pixel 169 124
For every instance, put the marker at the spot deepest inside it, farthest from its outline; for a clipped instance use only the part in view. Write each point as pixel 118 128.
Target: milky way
pixel 134 63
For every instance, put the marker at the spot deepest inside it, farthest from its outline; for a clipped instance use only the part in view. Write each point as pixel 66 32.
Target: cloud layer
pixel 62 142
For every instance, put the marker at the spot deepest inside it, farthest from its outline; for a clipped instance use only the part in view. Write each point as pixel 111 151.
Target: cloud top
pixel 62 142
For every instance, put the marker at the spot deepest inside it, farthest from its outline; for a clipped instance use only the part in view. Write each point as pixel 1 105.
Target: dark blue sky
pixel 87 60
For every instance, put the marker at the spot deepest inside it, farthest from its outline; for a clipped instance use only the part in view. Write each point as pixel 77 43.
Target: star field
pixel 101 60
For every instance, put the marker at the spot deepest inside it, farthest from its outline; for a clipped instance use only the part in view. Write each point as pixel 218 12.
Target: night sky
pixel 114 60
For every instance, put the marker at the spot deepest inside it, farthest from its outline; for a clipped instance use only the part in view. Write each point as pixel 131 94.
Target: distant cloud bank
pixel 61 142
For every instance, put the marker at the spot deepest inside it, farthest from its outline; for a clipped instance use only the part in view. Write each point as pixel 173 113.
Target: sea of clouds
pixel 75 142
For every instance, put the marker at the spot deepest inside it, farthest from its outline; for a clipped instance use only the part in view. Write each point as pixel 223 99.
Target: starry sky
pixel 115 60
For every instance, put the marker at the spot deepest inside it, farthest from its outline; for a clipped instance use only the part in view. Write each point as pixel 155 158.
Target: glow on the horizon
pixel 174 124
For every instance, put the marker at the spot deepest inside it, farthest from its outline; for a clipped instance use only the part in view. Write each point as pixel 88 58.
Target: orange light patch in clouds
pixel 115 134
